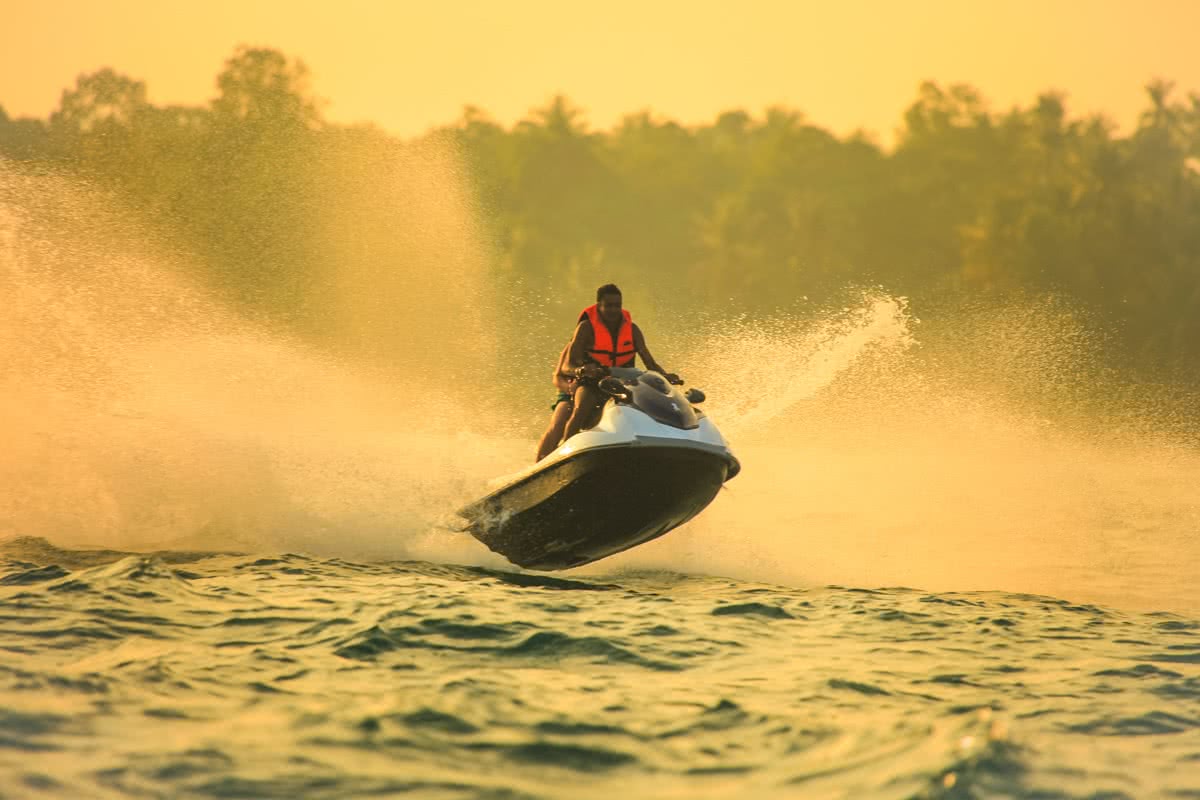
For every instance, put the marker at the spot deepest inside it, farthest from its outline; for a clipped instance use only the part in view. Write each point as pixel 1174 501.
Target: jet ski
pixel 653 462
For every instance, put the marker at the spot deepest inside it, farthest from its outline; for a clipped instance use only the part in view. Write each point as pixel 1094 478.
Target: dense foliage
pixel 746 214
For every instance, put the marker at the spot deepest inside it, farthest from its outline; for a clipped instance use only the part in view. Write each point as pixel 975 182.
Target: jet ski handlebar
pixel 593 373
pixel 614 387
pixel 628 374
pixel 621 387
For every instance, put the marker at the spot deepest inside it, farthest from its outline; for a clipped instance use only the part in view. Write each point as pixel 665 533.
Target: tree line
pixel 746 214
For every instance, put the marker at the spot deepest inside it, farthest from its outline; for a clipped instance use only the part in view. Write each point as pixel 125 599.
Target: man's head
pixel 608 303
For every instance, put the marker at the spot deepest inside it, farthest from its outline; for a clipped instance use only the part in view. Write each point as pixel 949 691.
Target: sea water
pixel 286 675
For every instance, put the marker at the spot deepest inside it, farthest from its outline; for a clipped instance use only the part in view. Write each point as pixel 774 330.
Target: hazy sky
pixel 407 66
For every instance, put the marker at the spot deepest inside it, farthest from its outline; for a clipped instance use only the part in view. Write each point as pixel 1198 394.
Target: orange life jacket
pixel 603 351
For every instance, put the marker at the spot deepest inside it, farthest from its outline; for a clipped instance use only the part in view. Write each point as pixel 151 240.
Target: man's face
pixel 610 308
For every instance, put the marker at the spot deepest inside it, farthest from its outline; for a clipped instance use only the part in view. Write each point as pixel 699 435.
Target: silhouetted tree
pixel 22 139
pixel 744 214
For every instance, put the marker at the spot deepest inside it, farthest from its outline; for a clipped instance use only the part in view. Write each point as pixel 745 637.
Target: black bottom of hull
pixel 595 504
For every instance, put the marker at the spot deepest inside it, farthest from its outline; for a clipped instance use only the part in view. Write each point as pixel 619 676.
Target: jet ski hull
pixel 597 502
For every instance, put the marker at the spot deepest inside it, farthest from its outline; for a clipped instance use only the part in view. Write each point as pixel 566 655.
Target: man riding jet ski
pixel 637 458
pixel 605 337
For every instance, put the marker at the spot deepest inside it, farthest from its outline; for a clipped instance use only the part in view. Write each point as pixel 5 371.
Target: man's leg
pixel 554 433
pixel 589 400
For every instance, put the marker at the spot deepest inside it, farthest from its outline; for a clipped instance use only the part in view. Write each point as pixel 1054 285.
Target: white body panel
pixel 625 426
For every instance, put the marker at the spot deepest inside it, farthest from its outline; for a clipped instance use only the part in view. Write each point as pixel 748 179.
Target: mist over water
pixel 139 411
pixel 990 454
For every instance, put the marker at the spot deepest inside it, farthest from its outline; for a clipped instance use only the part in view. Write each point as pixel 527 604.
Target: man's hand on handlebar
pixel 590 372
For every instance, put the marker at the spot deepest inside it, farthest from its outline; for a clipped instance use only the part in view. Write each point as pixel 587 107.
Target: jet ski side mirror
pixel 694 396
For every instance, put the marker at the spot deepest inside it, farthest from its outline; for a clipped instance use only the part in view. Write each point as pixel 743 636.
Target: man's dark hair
pixel 608 288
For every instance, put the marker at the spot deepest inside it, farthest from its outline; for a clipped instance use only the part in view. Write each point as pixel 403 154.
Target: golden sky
pixel 408 66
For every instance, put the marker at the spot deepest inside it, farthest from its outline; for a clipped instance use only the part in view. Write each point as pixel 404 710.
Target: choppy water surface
pixel 217 675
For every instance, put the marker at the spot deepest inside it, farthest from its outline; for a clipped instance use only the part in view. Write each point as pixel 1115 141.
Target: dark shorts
pixel 563 397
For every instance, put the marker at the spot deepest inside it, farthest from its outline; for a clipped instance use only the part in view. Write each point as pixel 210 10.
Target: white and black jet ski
pixel 653 462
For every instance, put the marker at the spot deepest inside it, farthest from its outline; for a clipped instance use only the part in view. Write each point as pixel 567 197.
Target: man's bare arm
pixel 581 343
pixel 562 374
pixel 639 344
